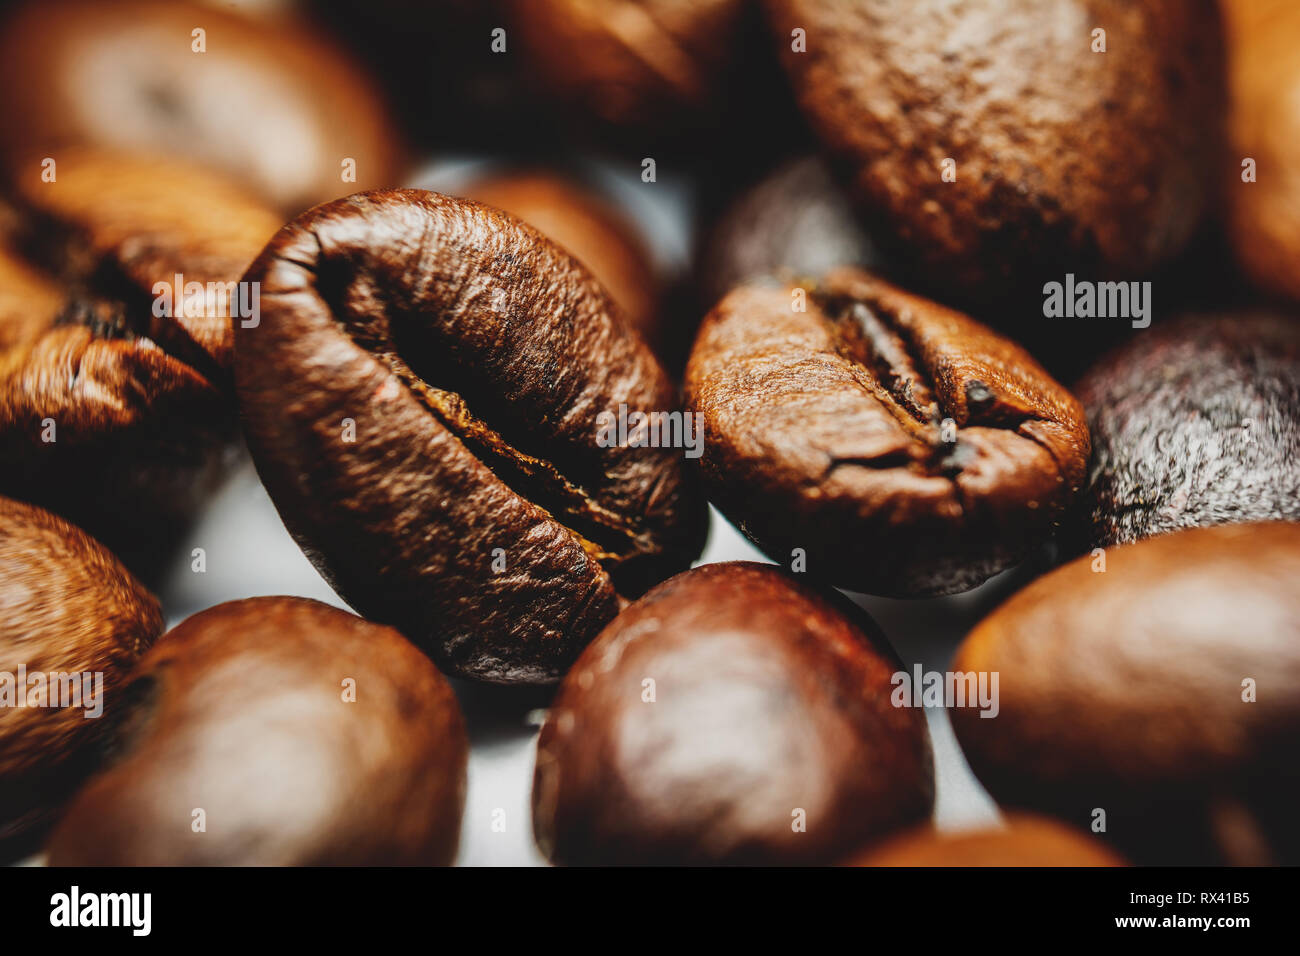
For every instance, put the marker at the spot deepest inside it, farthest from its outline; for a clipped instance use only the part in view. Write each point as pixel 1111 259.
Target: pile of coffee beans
pixel 989 295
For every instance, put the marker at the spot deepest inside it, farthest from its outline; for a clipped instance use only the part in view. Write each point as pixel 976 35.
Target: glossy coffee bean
pixel 646 65
pixel 731 716
pixel 900 446
pixel 1022 840
pixel 269 102
pixel 1263 192
pixel 1195 422
pixel 273 732
pixel 588 227
pixel 115 405
pixel 422 401
pixel 1102 161
pixel 796 221
pixel 1159 683
pixel 72 623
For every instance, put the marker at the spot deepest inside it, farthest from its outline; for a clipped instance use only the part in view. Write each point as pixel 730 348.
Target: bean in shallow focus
pixel 731 716
pixel 1159 683
pixel 72 623
pixel 422 398
pixel 276 731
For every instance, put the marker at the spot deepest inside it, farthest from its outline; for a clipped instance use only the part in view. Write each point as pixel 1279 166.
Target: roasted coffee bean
pixel 796 221
pixel 115 406
pixel 1159 683
pixel 1264 192
pixel 423 401
pixel 1195 422
pixel 111 225
pixel 643 65
pixel 296 733
pixel 1023 840
pixel 731 716
pixel 72 622
pixel 269 102
pixel 589 228
pixel 1100 160
pixel 903 448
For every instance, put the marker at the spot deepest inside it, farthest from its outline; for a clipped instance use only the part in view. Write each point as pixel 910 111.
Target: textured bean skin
pixel 67 606
pixel 1100 160
pixel 646 64
pixel 242 711
pixel 474 357
pixel 768 698
pixel 139 401
pixel 1195 422
pixel 1124 691
pixel 825 431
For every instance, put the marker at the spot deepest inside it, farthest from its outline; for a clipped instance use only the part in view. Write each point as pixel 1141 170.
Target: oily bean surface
pixel 769 704
pixel 305 735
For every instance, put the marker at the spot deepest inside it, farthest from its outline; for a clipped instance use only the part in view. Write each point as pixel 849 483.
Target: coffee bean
pixel 1023 840
pixel 903 447
pixel 654 65
pixel 1158 683
pixel 469 503
pixel 115 405
pixel 267 101
pixel 277 731
pixel 72 622
pixel 589 228
pixel 796 221
pixel 731 716
pixel 1195 422
pixel 1102 160
pixel 1264 190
